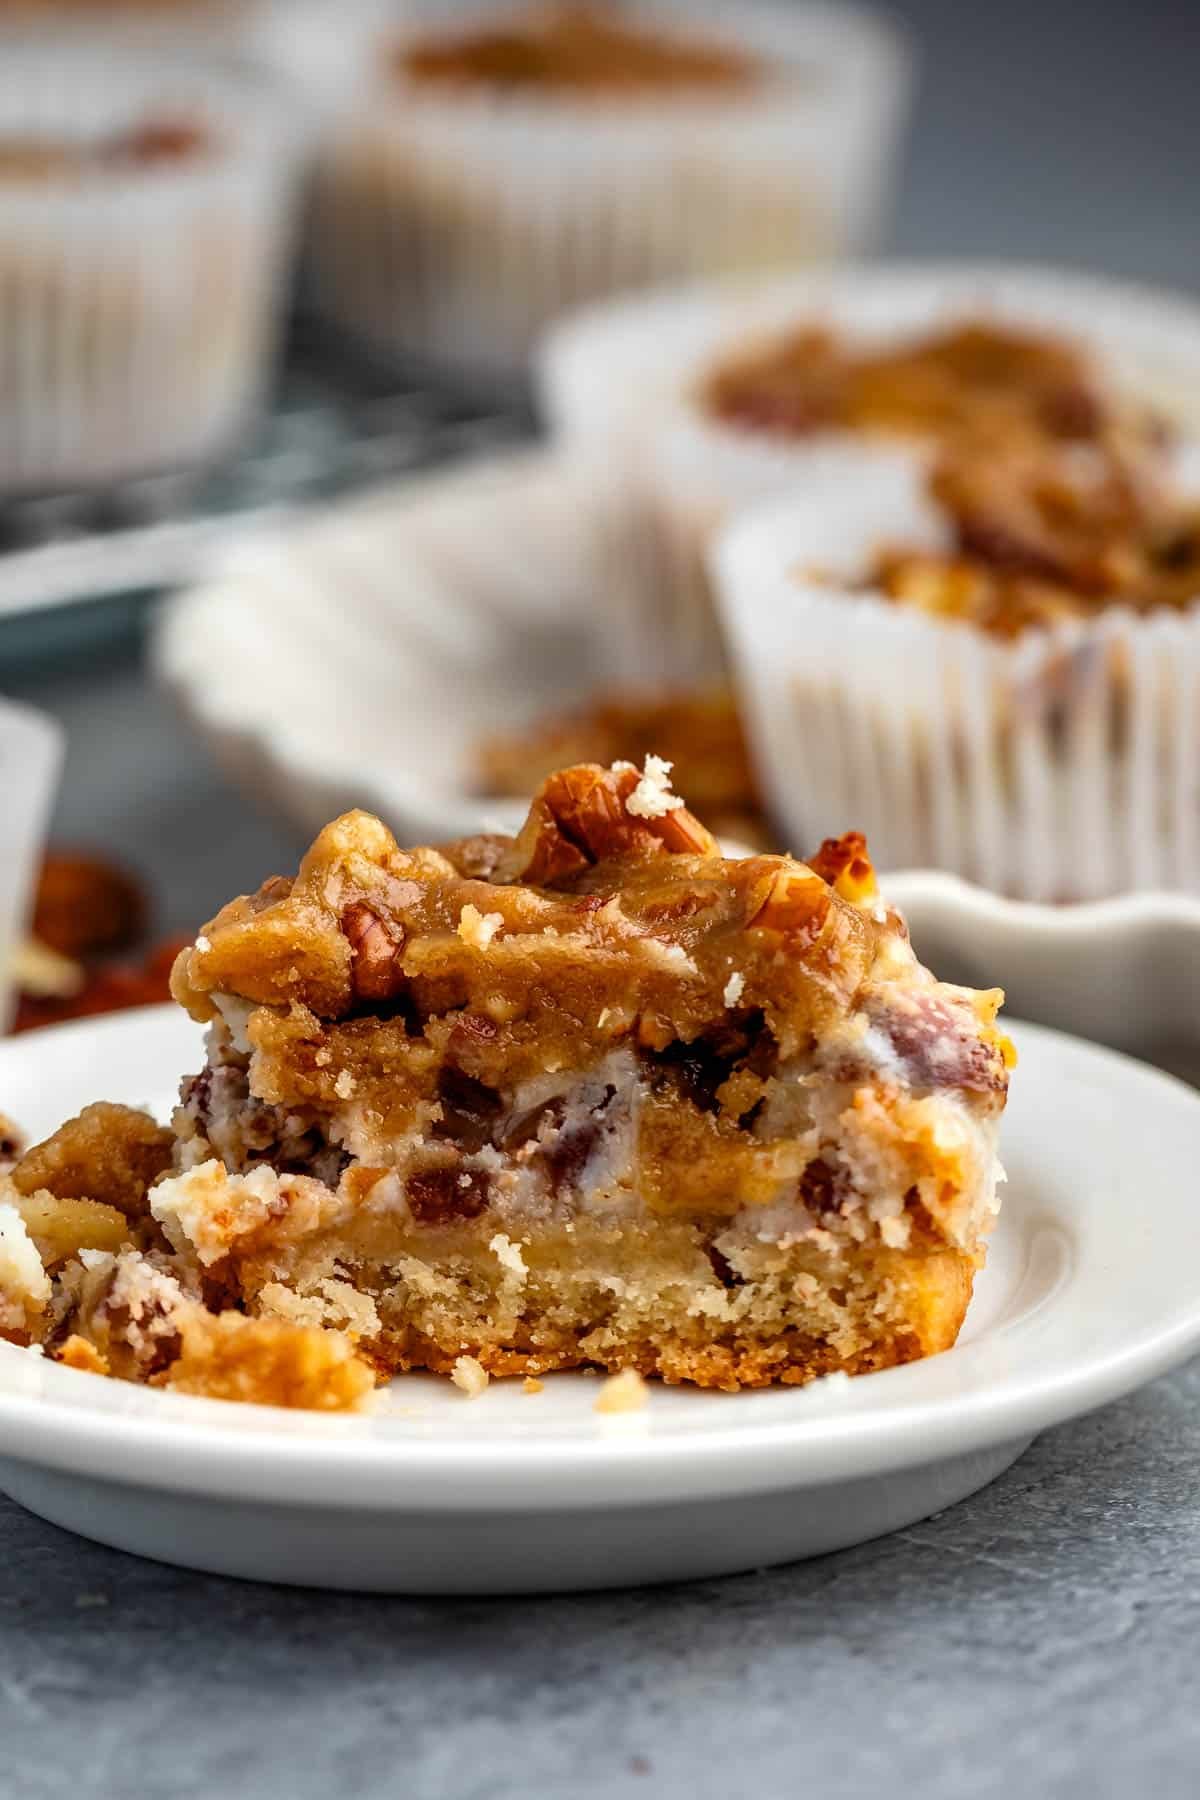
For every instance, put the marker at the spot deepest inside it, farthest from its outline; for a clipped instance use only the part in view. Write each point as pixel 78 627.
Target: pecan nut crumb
pixel 796 906
pixel 375 947
pixel 581 817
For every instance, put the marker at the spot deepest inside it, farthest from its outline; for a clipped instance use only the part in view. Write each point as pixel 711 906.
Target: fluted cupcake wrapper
pixel 1063 766
pixel 630 375
pixel 138 310
pixel 456 226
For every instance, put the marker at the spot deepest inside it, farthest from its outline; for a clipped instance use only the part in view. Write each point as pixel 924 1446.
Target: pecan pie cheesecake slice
pixel 593 1095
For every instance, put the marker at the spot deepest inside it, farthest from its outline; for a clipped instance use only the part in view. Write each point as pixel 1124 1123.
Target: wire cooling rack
pixel 339 421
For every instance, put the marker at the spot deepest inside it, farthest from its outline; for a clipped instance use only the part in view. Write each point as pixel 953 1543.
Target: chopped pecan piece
pixel 844 863
pixel 375 947
pixel 62 1228
pixel 588 815
pixel 440 1196
pixel 796 906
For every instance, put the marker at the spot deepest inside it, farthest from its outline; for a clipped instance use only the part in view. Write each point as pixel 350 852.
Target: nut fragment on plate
pixel 568 1142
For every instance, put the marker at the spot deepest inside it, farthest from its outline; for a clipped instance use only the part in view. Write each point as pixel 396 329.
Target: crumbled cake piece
pixel 231 1357
pixel 108 1153
pixel 974 376
pixel 699 733
pixel 571 49
pixel 676 1115
pixel 24 1284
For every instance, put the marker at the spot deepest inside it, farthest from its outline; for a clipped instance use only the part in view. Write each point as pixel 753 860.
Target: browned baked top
pixel 972 376
pixel 612 918
pixel 1042 537
pixel 572 49
pixel 153 143
pixel 699 733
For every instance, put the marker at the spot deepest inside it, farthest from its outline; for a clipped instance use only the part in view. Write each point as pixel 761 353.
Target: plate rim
pixel 210 1447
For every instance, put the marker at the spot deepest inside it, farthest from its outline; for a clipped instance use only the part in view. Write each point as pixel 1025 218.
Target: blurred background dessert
pixel 725 395
pixel 145 223
pixel 486 168
pixel 990 665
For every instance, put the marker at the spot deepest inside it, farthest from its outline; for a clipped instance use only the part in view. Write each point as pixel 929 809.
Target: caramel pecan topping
pixel 978 377
pixel 1039 537
pixel 571 48
pixel 616 918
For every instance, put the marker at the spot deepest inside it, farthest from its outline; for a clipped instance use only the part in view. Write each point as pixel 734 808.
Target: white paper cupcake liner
pixel 138 310
pixel 30 757
pixel 1065 766
pixel 455 227
pixel 630 373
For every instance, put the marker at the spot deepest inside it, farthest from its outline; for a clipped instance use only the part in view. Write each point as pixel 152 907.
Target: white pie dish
pixel 1089 1291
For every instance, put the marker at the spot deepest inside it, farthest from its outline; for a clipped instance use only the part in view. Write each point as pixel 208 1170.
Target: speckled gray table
pixel 1039 1640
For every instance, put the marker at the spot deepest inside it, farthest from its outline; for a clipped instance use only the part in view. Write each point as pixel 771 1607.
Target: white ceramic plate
pixel 1090 1290
pixel 356 659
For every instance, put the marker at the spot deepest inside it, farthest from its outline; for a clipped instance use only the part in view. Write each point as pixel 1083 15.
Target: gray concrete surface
pixel 1039 1640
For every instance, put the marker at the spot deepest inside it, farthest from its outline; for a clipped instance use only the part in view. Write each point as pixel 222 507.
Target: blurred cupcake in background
pixel 488 167
pixel 146 212
pixel 992 667
pixel 721 397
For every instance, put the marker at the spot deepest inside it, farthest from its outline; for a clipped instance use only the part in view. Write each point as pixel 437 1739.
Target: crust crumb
pixel 622 1393
pixel 78 1353
pixel 478 929
pixel 531 1385
pixel 469 1376
pixel 227 1356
